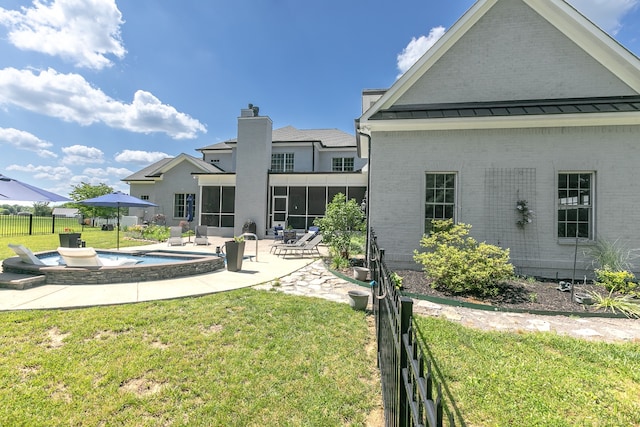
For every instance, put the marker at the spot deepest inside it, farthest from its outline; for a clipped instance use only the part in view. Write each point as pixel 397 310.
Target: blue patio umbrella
pixel 12 189
pixel 190 208
pixel 117 200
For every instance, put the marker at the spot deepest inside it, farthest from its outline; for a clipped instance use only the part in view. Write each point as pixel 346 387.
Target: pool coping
pixel 193 264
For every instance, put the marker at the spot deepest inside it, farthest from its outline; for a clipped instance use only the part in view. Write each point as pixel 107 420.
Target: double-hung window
pixel 180 204
pixel 440 198
pixel 575 205
pixel 282 162
pixel 342 164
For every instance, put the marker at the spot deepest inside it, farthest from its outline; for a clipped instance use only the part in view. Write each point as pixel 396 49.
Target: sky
pixel 94 90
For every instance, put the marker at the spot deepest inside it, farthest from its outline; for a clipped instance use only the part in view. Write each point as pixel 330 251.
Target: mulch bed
pixel 519 294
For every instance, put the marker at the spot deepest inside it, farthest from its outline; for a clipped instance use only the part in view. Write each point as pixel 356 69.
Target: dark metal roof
pixel 511 108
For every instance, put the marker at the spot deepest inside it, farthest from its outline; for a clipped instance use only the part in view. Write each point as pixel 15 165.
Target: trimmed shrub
pixel 459 264
pixel 616 281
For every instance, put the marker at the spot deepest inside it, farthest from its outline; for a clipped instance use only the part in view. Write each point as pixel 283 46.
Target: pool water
pixel 143 259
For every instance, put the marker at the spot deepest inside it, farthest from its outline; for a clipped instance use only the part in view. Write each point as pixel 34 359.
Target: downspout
pixel 360 133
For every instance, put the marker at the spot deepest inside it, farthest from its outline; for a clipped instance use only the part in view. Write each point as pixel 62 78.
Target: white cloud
pixel 417 47
pixel 82 31
pixel 55 173
pixel 71 98
pixel 140 157
pixel 607 14
pixel 82 155
pixel 26 141
pixel 107 173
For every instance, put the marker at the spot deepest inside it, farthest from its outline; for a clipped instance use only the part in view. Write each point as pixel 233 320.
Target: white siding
pixel 401 159
pixel 513 53
pixel 225 160
pixel 176 180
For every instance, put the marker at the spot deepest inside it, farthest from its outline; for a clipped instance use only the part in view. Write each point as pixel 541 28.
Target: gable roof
pixel 333 138
pixel 155 171
pixel 582 32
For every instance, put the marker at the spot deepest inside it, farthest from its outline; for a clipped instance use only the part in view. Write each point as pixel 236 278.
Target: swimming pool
pixel 153 265
pixel 53 259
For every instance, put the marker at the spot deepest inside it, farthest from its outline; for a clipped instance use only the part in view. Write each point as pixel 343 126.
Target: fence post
pixel 406 312
pixel 53 224
pixel 30 224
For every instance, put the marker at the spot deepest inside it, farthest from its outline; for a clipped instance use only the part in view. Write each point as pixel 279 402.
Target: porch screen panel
pixel 228 206
pixel 356 193
pixel 211 199
pixel 297 200
pixel 218 206
pixel 317 200
pixel 297 207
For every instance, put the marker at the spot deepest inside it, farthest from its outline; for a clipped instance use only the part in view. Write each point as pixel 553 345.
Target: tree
pixel 42 209
pixel 85 191
pixel 343 219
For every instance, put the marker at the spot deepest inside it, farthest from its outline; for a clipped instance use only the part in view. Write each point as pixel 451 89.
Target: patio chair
pixel 277 232
pixel 88 257
pixel 201 236
pixel 301 241
pixel 308 248
pixel 26 255
pixel 175 236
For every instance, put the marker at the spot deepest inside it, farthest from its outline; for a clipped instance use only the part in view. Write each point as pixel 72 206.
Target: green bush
pixel 343 221
pixel 616 281
pixel 158 233
pixel 459 264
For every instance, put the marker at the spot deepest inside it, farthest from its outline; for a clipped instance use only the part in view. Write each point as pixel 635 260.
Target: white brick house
pixel 269 176
pixel 519 100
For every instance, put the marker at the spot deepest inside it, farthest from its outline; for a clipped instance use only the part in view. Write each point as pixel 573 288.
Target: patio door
pixel 279 211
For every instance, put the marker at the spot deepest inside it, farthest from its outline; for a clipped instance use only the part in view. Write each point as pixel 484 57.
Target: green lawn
pixel 240 358
pixel 541 379
pixel 261 358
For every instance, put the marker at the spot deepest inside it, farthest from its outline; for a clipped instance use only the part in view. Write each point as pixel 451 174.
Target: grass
pixel 240 358
pixel 534 379
pixel 262 358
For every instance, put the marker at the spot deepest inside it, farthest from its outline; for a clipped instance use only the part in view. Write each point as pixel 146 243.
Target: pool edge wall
pixel 61 275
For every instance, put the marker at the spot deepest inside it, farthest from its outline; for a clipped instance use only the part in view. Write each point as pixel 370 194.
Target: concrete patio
pixel 261 267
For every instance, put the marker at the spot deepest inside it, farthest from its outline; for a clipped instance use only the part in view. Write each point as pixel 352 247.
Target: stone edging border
pixel 485 307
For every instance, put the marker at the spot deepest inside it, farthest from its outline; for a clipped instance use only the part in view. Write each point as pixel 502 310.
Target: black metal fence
pixel 407 379
pixel 23 225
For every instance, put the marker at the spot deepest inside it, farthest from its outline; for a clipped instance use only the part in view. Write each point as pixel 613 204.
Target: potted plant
pixel 234 253
pixel 69 239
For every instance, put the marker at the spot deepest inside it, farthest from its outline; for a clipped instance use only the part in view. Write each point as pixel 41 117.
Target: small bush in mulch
pixel 521 294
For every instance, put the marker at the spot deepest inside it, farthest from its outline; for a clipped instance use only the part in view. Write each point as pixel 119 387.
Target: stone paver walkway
pixel 316 281
pixel 313 280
